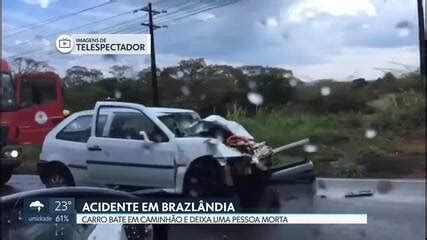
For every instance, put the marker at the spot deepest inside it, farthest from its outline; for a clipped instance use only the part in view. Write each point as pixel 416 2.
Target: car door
pixel 130 148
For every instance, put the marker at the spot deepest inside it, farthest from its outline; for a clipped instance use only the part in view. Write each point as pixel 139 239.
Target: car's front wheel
pixel 5 176
pixel 203 180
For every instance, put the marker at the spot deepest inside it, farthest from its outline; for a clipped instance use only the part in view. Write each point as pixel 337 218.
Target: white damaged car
pixel 130 147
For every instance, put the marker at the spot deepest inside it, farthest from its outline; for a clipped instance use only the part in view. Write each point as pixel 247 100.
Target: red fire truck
pixel 31 105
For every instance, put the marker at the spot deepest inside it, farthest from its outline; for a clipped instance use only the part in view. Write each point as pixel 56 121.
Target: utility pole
pixel 152 27
pixel 422 41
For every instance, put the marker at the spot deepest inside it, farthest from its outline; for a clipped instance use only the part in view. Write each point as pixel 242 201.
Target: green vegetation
pixel 351 144
pixel 360 128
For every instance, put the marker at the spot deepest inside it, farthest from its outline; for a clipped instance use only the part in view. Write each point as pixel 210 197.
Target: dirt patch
pixel 409 145
pixel 397 166
pixel 417 174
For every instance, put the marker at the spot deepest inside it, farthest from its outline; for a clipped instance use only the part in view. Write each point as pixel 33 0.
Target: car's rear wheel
pixel 58 177
pixel 5 176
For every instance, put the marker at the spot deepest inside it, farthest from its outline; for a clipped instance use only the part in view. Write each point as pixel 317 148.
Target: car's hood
pixel 231 126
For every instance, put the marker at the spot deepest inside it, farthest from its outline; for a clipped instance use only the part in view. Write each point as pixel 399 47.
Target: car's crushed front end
pixel 245 165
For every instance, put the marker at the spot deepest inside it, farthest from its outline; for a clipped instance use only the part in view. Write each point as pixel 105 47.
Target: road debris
pixel 364 193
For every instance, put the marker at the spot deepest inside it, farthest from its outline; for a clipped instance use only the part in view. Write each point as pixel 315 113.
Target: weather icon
pixel 37 205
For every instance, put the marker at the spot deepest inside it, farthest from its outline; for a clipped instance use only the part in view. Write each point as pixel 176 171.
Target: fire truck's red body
pixel 36 120
pixel 32 105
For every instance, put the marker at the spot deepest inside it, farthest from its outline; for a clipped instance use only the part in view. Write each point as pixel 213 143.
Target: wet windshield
pixel 320 89
pixel 180 123
pixel 344 74
pixel 7 92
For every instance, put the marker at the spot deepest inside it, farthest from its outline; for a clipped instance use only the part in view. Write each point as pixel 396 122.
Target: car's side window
pixel 128 123
pixel 77 130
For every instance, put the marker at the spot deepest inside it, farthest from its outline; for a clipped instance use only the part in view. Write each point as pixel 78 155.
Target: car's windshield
pixel 7 92
pixel 179 123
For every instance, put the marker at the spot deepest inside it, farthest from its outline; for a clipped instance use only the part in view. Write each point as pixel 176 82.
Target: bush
pixel 279 128
pixel 407 114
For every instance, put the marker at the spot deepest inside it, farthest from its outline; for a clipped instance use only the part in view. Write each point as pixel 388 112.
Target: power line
pixel 152 27
pixel 54 19
pixel 75 28
pixel 127 27
pixel 174 15
pixel 180 11
pixel 187 4
pixel 120 24
pixel 171 14
pixel 199 11
pixel 97 30
pixel 21 54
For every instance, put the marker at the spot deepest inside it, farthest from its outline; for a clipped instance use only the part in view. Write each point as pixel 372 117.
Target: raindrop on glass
pixel 325 91
pixel 117 94
pixel 186 123
pixel 403 32
pixel 293 82
pixel 179 74
pixel 287 75
pixel 255 98
pixel 370 133
pixel 309 14
pixel 252 85
pixel 285 36
pixel 310 148
pixel 185 90
pixel 404 28
pixel 270 22
pixel 202 96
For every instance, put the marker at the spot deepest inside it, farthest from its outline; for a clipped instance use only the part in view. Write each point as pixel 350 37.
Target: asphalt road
pixel 396 210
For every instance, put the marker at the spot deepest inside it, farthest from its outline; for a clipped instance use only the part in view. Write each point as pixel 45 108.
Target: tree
pixel 274 89
pixel 28 65
pixel 122 72
pixel 359 83
pixel 389 77
pixel 191 67
pixel 78 75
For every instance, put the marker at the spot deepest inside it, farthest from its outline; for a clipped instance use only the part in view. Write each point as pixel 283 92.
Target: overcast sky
pixel 341 39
